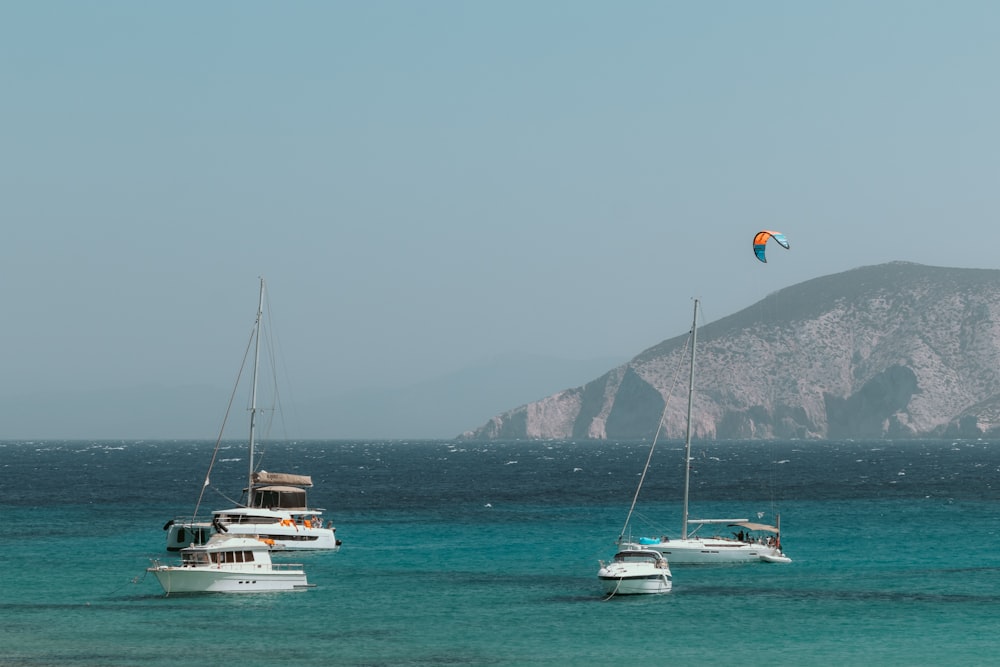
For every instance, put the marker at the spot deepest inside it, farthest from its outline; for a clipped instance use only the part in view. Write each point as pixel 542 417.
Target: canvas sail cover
pixel 264 477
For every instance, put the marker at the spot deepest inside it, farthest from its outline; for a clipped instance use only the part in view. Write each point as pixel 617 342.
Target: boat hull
pixel 622 581
pixel 181 579
pixel 714 552
pixel 289 538
pixel 296 537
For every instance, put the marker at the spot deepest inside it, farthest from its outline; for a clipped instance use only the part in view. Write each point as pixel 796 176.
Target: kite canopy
pixel 760 242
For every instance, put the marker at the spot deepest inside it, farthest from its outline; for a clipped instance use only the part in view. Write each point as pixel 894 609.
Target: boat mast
pixel 253 391
pixel 687 437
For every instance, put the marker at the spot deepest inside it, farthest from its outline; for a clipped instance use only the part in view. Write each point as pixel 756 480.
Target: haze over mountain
pixel 442 406
pixel 896 350
pixel 436 408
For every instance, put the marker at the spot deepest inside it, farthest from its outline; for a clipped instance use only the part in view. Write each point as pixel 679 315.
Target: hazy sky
pixel 426 185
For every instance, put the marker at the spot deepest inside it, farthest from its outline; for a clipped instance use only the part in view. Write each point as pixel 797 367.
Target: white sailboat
pixel 276 508
pixel 749 542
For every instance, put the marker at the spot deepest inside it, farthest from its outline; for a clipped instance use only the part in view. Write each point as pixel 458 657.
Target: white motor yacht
pixel 228 564
pixel 636 572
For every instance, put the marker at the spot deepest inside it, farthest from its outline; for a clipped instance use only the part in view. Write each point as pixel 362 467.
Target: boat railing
pixel 286 566
pixel 189 520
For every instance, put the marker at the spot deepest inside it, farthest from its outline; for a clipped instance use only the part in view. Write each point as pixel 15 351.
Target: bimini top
pixel 756 526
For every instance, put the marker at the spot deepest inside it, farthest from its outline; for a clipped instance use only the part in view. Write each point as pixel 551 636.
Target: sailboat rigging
pixel 755 542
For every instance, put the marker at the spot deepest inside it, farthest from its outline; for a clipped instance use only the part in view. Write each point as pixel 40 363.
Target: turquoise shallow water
pixel 895 552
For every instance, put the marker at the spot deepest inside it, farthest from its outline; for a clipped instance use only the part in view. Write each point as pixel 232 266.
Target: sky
pixel 428 185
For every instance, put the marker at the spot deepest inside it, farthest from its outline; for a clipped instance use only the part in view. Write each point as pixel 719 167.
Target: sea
pixel 486 553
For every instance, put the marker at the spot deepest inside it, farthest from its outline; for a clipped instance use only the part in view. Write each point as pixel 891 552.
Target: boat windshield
pixel 195 558
pixel 636 556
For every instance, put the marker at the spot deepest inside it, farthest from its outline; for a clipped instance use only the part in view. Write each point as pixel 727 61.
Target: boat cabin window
pixel 232 557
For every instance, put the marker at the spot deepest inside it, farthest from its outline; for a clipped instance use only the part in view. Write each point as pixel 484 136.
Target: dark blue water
pixel 486 554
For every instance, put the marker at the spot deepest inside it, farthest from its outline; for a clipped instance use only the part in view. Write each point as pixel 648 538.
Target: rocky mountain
pixel 896 350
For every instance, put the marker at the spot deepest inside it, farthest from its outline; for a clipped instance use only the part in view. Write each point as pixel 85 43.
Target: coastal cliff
pixel 896 350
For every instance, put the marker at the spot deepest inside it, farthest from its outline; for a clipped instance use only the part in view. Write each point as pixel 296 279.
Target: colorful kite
pixel 760 241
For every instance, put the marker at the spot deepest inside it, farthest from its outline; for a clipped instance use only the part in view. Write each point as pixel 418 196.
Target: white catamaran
pixel 276 509
pixel 751 542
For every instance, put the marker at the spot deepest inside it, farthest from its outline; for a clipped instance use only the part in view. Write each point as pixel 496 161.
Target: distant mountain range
pixel 896 350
